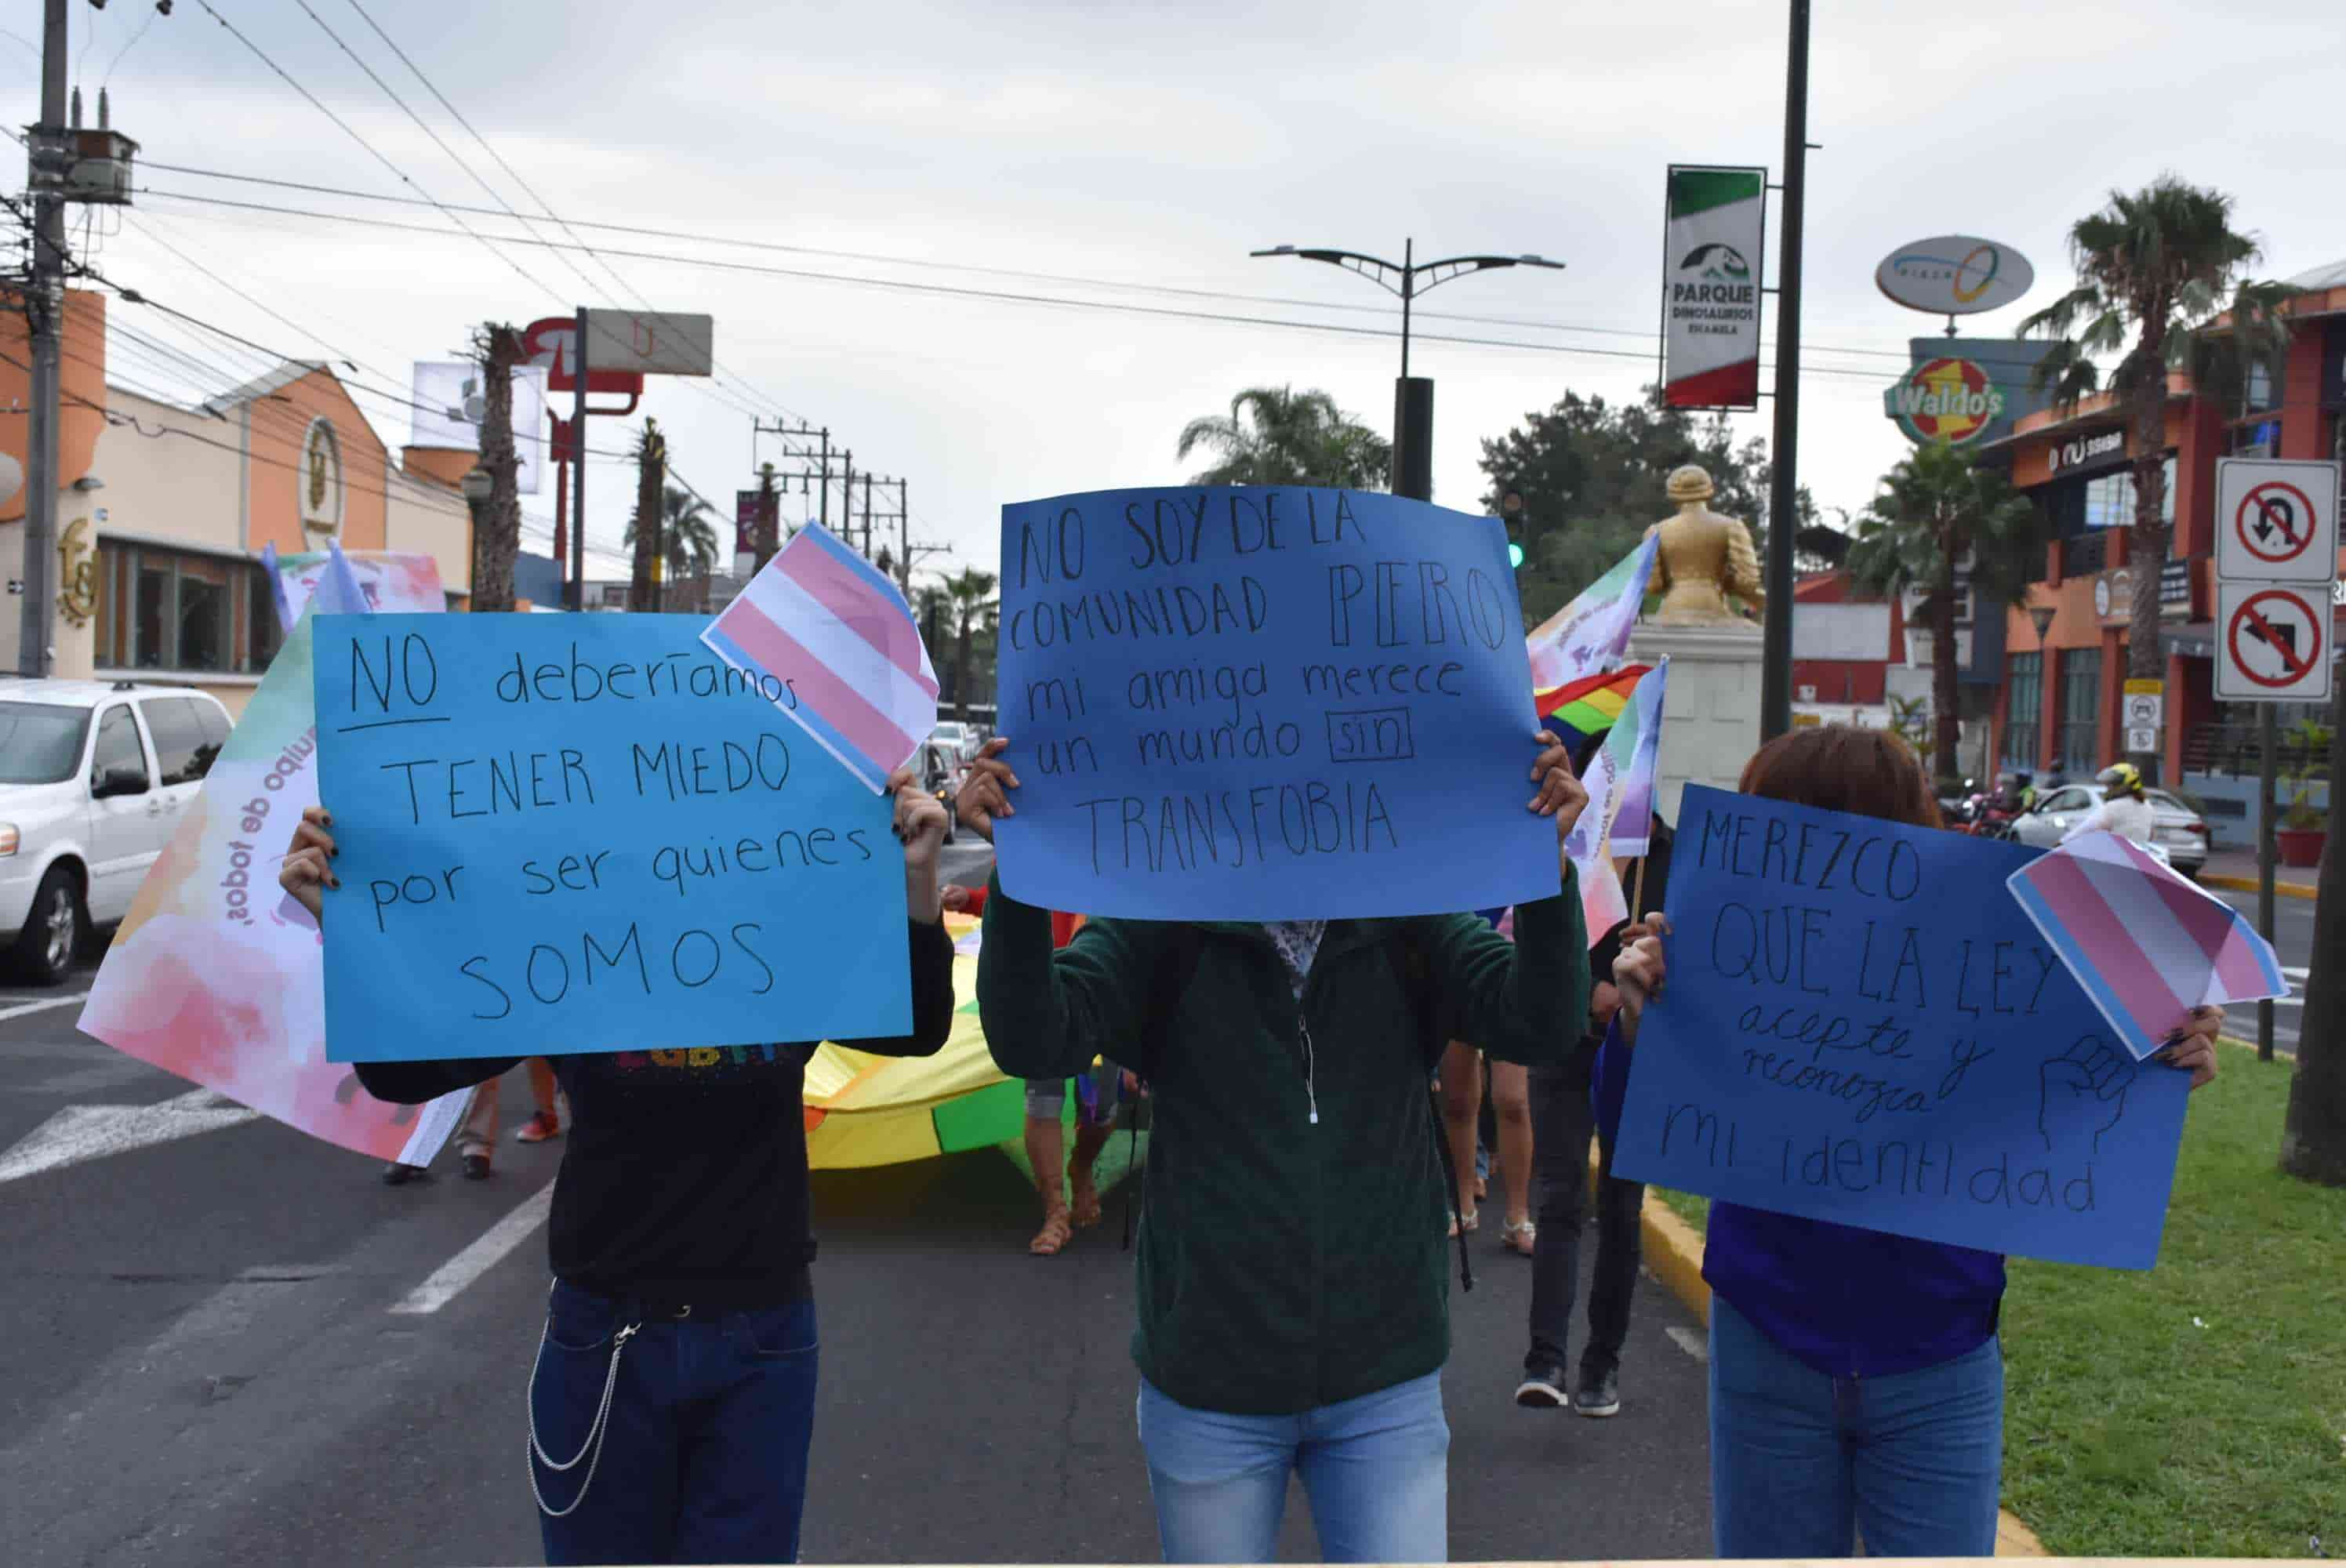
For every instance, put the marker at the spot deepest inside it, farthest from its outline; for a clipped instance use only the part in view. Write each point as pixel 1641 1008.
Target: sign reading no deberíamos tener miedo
pixel 1261 703
pixel 1710 287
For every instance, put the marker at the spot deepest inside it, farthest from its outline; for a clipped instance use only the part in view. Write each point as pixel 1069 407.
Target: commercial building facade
pixel 164 512
pixel 2059 705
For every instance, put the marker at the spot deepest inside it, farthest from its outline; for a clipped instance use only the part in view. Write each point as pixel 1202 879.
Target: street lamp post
pixel 1412 457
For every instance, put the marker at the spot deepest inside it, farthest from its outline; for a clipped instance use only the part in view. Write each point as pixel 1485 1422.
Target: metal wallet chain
pixel 595 1432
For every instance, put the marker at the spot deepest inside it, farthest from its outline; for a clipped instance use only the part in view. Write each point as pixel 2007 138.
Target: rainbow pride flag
pixel 1620 820
pixel 1589 637
pixel 1587 708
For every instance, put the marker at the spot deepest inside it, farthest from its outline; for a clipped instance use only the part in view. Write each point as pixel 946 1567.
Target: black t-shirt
pixel 684 1178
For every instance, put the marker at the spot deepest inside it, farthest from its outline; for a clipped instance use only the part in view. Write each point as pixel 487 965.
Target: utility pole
pixel 1784 494
pixel 578 486
pixel 847 497
pixel 46 308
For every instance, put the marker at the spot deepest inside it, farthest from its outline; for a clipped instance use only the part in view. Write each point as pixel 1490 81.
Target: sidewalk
pixel 2236 869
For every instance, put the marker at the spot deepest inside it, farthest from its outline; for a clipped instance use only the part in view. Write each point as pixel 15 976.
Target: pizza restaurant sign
pixel 1944 400
pixel 2080 450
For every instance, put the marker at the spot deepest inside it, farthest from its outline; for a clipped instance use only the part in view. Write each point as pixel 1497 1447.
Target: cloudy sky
pixel 920 207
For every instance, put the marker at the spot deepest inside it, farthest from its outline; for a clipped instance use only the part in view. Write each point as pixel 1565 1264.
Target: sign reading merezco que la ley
pixel 1710 287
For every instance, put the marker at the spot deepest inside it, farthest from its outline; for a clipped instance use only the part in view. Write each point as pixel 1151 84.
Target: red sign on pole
pixel 553 343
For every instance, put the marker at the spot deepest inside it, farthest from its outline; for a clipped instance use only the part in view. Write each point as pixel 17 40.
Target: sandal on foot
pixel 1085 1195
pixel 1467 1222
pixel 1519 1236
pixel 1055 1234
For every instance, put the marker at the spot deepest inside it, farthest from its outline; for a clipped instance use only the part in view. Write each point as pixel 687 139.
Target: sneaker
pixel 476 1167
pixel 1542 1389
pixel 1599 1393
pixel 397 1174
pixel 538 1128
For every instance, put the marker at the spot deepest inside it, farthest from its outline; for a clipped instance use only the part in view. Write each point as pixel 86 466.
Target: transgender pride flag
pixel 825 622
pixel 1619 818
pixel 1589 635
pixel 2146 945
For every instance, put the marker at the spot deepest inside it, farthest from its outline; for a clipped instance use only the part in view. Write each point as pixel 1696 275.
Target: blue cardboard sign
pixel 1860 1024
pixel 1258 703
pixel 571 833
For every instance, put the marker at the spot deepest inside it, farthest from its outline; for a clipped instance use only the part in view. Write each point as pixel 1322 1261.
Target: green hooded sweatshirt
pixel 1286 1263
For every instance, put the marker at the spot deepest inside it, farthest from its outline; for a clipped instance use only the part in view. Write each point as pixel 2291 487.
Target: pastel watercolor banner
pixel 1261 703
pixel 1861 1025
pixel 575 833
pixel 214 975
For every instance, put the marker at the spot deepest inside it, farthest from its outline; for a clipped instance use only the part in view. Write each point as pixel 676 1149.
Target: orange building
pixel 2059 705
pixel 164 511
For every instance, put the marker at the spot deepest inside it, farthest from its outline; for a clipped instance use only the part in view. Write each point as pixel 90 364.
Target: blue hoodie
pixel 1849 1303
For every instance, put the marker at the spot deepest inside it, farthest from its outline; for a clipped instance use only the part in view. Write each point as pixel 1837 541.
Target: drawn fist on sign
pixel 2089 1082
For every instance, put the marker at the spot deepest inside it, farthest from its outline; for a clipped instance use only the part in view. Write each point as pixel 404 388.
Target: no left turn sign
pixel 2277 522
pixel 2274 644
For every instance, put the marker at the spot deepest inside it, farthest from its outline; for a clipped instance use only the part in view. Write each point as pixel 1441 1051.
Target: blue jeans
pixel 1801 1462
pixel 703 1455
pixel 1376 1470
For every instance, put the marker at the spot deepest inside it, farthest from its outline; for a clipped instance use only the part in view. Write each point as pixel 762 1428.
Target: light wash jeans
pixel 1801 1462
pixel 1375 1469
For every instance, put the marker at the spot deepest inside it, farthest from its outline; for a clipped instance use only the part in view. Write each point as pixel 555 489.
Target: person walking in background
pixel 477 1139
pixel 1463 1076
pixel 1564 1118
pixel 1046 1104
pixel 1856 1379
pixel 1293 1284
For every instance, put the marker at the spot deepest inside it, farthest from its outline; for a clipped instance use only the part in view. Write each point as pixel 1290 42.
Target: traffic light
pixel 1518 529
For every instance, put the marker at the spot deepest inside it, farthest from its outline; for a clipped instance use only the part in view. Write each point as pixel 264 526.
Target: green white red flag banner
pixel 1710 287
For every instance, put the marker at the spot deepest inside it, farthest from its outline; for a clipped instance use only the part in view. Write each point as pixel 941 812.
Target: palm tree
pixel 969 594
pixel 2155 263
pixel 1934 509
pixel 1277 435
pixel 687 546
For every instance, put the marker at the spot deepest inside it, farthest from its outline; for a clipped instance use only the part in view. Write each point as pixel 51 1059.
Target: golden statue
pixel 1702 558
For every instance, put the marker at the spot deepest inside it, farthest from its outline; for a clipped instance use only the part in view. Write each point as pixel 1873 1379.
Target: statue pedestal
pixel 1710 712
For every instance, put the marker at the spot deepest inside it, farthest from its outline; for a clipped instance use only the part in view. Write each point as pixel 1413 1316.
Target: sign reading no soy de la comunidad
pixel 1261 703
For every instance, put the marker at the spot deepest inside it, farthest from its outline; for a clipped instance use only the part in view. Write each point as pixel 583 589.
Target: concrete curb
pixel 2249 885
pixel 1673 1251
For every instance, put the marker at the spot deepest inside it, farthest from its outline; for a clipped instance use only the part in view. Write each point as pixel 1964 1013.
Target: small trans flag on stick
pixel 834 632
pixel 1619 817
pixel 2146 945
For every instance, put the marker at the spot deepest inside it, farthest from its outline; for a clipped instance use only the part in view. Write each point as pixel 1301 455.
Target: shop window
pixel 2110 499
pixel 2083 555
pixel 180 612
pixel 2024 710
pixel 2081 711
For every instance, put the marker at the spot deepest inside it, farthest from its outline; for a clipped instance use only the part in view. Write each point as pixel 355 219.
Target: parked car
pixel 95 778
pixel 2180 831
pixel 960 737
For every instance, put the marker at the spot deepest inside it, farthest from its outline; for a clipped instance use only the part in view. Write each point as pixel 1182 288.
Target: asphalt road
pixel 208 1361
pixel 2293 940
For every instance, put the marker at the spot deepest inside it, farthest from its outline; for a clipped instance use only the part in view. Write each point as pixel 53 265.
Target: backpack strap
pixel 1168 981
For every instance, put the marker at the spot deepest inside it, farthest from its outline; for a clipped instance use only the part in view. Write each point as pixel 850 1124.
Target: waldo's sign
pixel 1944 400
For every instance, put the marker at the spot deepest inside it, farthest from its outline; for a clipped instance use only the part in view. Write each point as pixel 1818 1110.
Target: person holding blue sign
pixel 671 1403
pixel 1292 1288
pixel 1856 1379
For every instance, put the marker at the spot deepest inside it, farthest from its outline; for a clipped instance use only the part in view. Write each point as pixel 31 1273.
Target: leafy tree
pixel 1277 435
pixel 1935 507
pixel 1591 475
pixel 2155 265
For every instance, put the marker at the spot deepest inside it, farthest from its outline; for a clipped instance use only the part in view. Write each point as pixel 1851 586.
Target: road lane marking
pixel 1689 1342
pixel 42 1007
pixel 450 1278
pixel 79 1133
